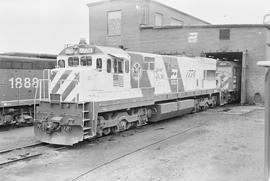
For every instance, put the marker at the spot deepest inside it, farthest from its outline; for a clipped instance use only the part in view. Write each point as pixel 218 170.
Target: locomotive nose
pixel 54 130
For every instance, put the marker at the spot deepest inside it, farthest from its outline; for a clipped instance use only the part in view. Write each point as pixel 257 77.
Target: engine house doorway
pixel 239 58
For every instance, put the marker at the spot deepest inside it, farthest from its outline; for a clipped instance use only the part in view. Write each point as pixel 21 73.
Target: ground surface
pixel 17 137
pixel 219 144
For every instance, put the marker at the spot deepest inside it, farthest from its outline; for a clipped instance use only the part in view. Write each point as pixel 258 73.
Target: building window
pixel 114 23
pixel 158 19
pixel 145 16
pixel 224 34
pixel 175 21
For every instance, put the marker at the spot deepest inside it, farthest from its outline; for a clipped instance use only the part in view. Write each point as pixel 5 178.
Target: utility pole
pixel 266 64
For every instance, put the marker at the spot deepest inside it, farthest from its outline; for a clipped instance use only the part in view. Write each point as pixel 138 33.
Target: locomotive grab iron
pixel 97 90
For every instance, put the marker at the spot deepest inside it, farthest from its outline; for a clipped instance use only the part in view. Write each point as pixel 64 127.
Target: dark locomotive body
pixel 19 75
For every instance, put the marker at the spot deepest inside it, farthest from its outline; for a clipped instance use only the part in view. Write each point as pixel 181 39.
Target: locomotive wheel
pixel 122 125
pixel 106 131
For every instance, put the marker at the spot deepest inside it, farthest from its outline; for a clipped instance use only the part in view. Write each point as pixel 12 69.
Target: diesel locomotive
pixel 19 76
pixel 96 90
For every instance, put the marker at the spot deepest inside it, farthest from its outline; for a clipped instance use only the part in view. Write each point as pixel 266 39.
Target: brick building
pixel 149 26
pixel 115 21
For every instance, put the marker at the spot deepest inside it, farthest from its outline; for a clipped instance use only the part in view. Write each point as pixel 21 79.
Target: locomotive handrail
pixel 41 86
pixel 267 120
pixel 38 93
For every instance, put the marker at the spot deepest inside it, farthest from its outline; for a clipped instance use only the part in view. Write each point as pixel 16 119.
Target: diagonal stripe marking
pixel 62 78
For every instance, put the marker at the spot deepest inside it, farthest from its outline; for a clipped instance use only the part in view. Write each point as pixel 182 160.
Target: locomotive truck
pixel 96 90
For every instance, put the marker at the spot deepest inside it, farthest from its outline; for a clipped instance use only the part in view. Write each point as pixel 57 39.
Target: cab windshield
pixel 76 61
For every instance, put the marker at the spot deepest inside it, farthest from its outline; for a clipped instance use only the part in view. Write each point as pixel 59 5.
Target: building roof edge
pixel 180 11
pixel 205 26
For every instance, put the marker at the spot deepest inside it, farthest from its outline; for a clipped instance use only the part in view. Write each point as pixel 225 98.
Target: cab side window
pixel 70 61
pixel 61 63
pixel 88 60
pixel 109 65
pixel 83 61
pixel 99 63
pixel 73 61
pixel 127 66
pixel 115 66
pixel 118 66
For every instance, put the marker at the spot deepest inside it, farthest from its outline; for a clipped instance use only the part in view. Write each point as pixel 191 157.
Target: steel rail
pixel 20 159
pixel 21 147
pixel 23 157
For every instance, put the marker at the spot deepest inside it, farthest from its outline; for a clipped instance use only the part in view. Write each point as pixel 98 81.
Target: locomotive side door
pixel 147 72
pixel 136 61
pixel 119 72
pixel 173 74
pixel 141 70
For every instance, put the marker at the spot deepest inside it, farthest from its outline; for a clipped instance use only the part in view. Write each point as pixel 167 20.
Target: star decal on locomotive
pixel 136 71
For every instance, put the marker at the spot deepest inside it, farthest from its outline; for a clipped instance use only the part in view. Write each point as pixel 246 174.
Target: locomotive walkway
pixel 220 144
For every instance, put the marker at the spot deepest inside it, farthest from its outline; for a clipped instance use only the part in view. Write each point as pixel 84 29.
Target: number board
pixel 86 50
pixel 69 51
pixel 19 82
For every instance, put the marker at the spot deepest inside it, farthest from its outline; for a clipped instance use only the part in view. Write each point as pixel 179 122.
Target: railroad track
pixel 21 147
pixel 137 150
pixel 27 152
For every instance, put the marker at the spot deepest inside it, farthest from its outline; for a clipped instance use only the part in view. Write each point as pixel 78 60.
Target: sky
pixel 45 26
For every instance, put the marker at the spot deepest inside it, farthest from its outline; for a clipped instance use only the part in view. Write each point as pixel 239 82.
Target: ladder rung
pixel 87 136
pixel 85 111
pixel 86 128
pixel 86 120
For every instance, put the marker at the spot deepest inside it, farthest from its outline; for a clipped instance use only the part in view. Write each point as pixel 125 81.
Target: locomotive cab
pixel 83 71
